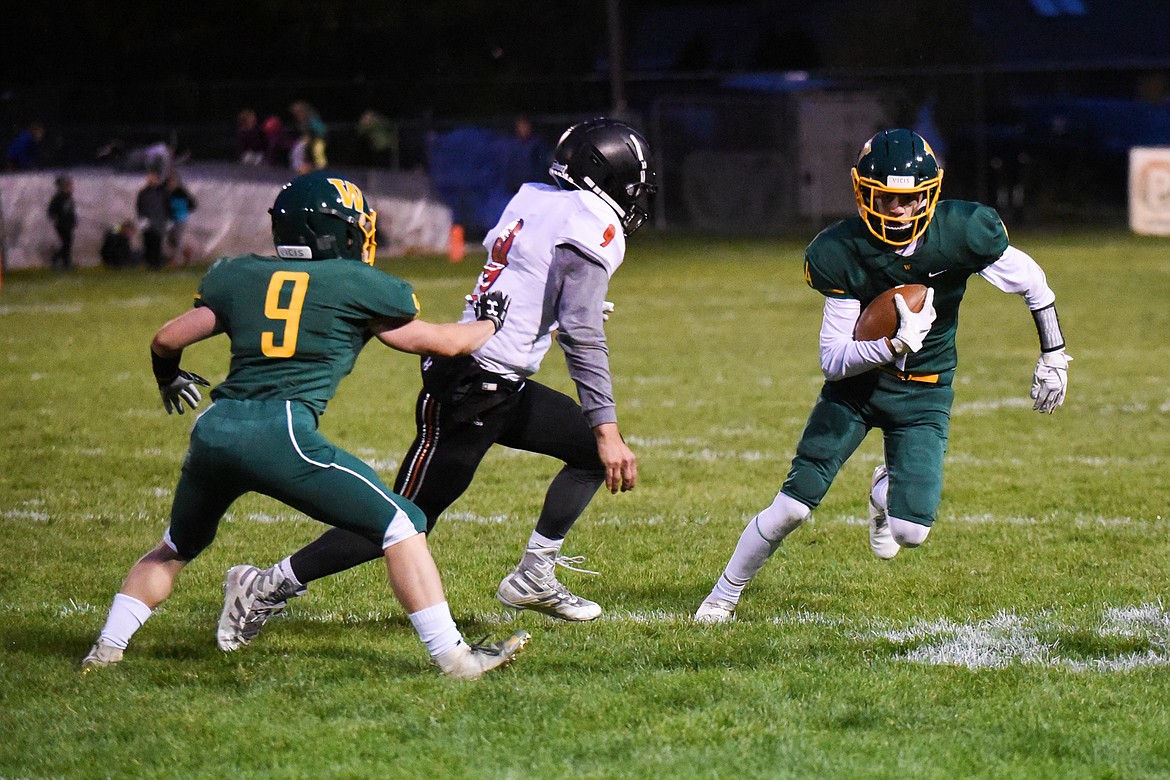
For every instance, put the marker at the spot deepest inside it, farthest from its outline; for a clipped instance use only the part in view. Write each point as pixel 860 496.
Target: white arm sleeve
pixel 1016 272
pixel 841 356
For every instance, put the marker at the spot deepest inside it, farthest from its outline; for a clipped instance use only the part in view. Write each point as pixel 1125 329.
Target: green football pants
pixel 274 448
pixel 914 418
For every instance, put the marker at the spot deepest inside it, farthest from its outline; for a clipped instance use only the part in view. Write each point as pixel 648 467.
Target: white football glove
pixel 606 309
pixel 183 388
pixel 912 326
pixel 1050 381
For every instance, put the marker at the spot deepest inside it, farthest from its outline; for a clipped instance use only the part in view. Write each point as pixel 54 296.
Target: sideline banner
pixel 1149 190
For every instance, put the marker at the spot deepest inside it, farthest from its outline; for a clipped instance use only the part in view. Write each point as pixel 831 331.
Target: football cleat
pixel 715 610
pixel 101 654
pixel 250 597
pixel 470 661
pixel 533 585
pixel 881 538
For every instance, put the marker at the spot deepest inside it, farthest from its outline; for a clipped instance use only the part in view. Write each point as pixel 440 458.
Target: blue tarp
pixel 476 172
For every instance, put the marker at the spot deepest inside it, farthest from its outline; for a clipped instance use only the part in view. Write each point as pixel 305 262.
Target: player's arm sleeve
pixel 1017 273
pixel 841 356
pixel 580 285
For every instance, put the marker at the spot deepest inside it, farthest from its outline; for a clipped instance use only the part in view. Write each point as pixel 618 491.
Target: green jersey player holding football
pixel 296 323
pixel 902 385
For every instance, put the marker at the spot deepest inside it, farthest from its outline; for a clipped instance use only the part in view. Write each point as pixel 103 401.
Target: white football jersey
pixel 520 250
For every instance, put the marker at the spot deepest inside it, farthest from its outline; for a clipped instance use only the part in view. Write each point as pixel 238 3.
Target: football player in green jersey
pixel 902 385
pixel 296 323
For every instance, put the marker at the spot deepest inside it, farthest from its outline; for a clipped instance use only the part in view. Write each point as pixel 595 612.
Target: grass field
pixel 1026 639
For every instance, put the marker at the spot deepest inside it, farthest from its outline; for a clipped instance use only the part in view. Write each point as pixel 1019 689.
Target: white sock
pixel 757 543
pixel 436 628
pixel 285 568
pixel 126 616
pixel 880 493
pixel 541 542
pixel 906 533
pixel 751 553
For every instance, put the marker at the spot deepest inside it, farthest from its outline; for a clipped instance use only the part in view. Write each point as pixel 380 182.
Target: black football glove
pixel 492 307
pixel 183 388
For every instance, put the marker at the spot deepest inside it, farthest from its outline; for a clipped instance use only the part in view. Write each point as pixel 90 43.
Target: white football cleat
pixel 101 654
pixel 533 584
pixel 250 597
pixel 715 610
pixel 470 661
pixel 881 538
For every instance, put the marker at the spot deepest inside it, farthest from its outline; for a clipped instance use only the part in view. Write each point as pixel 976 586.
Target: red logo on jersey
pixel 499 256
pixel 609 234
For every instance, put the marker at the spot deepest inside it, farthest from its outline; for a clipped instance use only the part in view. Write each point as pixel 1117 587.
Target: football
pixel 880 318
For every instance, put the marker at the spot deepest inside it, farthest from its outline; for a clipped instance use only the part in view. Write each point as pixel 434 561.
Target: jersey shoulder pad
pixel 216 280
pixel 978 227
pixel 828 258
pixel 594 229
pixel 385 294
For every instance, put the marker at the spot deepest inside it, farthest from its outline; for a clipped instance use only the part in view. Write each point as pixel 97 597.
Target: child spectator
pixel 118 246
pixel 64 216
pixel 181 203
pixel 153 209
pixel 251 143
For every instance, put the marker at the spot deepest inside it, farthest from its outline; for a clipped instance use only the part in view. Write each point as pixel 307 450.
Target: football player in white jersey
pixel 553 252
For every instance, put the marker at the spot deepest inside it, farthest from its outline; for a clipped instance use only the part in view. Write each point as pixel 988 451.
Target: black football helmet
pixel 319 216
pixel 612 160
pixel 896 162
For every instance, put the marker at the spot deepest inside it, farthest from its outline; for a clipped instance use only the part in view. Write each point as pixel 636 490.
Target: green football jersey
pixel 297 326
pixel 846 261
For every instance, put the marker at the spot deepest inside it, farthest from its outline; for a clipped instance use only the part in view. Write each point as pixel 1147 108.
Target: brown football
pixel 880 319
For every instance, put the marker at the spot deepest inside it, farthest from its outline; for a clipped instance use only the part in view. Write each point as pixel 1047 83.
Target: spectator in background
pixel 118 246
pixel 529 156
pixel 251 142
pixel 24 153
pixel 380 137
pixel 153 209
pixel 160 157
pixel 308 153
pixel 181 203
pixel 278 142
pixel 298 157
pixel 63 213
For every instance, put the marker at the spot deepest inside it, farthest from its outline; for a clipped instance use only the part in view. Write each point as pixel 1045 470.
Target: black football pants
pixel 448 448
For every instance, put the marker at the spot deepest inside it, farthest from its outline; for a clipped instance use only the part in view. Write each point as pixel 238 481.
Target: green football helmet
pixel 896 164
pixel 320 216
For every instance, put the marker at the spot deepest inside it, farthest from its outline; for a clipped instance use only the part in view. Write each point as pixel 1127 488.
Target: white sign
pixel 1149 190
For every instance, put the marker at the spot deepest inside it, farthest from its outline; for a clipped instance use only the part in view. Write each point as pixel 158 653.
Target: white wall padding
pixel 232 217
